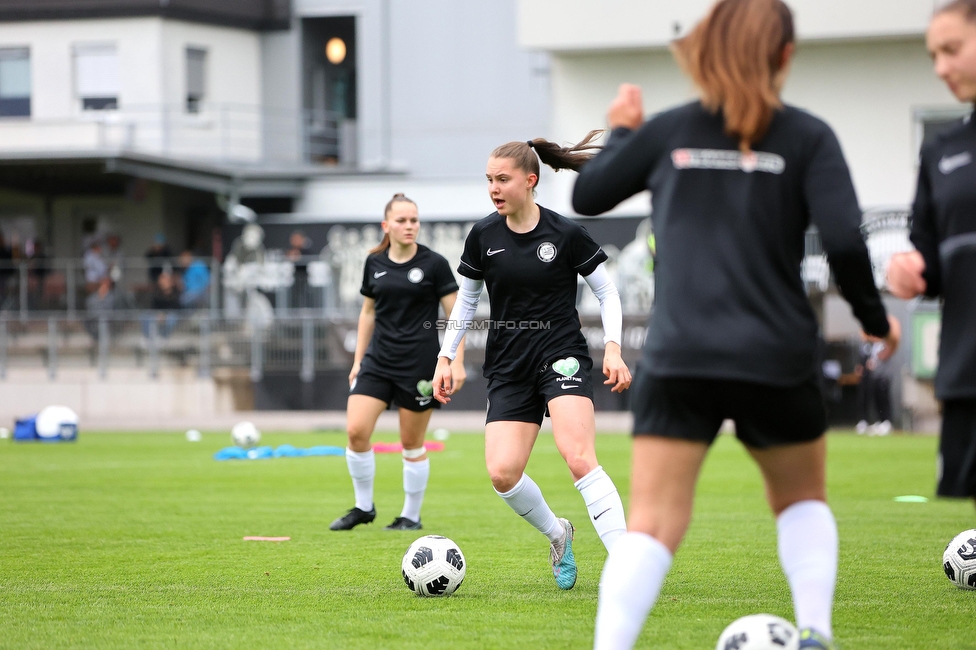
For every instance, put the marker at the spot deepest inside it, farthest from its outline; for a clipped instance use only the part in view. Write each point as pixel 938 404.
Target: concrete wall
pixel 572 25
pixel 125 393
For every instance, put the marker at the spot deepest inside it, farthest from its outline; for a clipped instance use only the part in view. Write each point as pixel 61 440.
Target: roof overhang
pixel 62 173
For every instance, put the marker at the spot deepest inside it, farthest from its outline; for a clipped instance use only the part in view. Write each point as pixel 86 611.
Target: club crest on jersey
pixel 546 251
pixel 415 275
pixel 753 161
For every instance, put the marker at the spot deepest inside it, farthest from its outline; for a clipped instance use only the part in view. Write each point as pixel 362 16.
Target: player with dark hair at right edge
pixel 735 178
pixel 944 262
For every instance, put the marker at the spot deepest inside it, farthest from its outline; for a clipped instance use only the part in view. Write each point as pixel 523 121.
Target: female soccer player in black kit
pixel 735 178
pixel 944 234
pixel 536 358
pixel 403 283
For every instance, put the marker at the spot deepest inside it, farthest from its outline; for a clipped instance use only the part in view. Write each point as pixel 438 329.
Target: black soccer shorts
pixel 957 449
pixel 694 409
pixel 527 400
pixel 411 394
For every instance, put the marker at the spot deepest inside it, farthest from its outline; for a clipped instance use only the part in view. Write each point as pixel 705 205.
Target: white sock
pixel 362 469
pixel 629 586
pixel 415 475
pixel 603 503
pixel 808 554
pixel 528 503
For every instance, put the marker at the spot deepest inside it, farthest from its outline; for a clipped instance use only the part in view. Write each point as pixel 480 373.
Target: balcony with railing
pixel 225 133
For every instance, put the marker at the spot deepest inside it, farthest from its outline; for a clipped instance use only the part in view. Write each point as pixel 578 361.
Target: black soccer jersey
pixel 729 228
pixel 944 232
pixel 531 280
pixel 407 296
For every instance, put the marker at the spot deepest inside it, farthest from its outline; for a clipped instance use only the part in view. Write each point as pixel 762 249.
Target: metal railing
pixel 214 132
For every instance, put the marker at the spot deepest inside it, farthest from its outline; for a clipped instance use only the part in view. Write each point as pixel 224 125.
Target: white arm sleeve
pixel 464 307
pixel 610 310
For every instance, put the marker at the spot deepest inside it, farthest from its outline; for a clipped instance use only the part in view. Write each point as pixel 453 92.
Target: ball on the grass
pixel 245 434
pixel 441 434
pixel 759 632
pixel 193 435
pixel 56 422
pixel 433 566
pixel 959 560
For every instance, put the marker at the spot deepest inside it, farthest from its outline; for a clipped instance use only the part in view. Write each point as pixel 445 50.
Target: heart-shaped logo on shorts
pixel 425 388
pixel 566 367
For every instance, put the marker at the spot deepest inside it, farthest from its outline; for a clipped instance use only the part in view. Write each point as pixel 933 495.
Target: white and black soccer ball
pixel 245 434
pixel 959 560
pixel 433 566
pixel 759 632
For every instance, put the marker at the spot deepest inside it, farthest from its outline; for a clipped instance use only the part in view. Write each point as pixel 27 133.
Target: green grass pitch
pixel 135 541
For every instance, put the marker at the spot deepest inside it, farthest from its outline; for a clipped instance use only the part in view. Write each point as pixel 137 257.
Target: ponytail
pixel 733 56
pixel 550 153
pixel 399 197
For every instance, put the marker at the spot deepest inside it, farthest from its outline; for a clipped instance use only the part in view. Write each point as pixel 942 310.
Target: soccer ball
pixel 959 560
pixel 245 434
pixel 433 566
pixel 759 632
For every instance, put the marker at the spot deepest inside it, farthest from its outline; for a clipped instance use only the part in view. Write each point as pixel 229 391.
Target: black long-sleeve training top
pixel 729 297
pixel 944 232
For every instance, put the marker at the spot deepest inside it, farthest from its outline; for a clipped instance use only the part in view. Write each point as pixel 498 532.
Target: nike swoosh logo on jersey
pixel 949 164
pixel 565 387
pixel 376 276
pixel 491 252
pixel 601 514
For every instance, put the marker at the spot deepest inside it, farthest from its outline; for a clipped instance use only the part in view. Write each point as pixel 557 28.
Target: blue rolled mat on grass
pixel 282 451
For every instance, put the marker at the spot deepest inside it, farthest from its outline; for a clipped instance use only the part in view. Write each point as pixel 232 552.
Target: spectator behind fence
pixel 196 281
pixel 165 303
pixel 94 264
pixel 157 255
pixel 100 303
pixel 114 257
pixel 874 390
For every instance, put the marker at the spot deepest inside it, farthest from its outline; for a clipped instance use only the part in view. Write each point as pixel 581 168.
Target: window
pixel 97 77
pixel 15 82
pixel 196 68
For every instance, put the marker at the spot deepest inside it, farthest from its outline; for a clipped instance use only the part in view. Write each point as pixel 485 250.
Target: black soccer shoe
pixel 353 518
pixel 402 523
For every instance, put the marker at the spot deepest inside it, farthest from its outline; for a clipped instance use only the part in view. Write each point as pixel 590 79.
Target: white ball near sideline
pixel 245 434
pixel 441 434
pixel 759 632
pixel 193 435
pixel 56 422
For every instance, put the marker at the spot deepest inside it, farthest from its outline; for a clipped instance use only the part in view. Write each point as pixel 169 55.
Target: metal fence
pixel 265 285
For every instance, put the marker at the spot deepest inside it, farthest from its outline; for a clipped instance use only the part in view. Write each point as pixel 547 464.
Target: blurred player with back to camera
pixel 944 234
pixel 736 178
pixel 536 358
pixel 396 351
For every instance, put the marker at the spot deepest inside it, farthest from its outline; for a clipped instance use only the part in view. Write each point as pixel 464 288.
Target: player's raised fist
pixel 905 279
pixel 627 109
